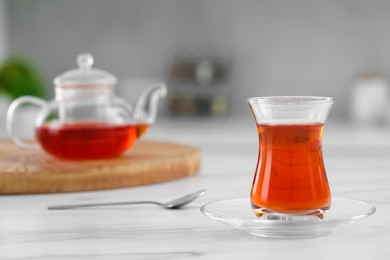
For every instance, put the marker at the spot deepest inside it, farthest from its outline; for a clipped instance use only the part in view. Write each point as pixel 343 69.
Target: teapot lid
pixel 85 74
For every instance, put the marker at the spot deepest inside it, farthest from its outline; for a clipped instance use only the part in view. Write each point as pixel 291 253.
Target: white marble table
pixel 358 166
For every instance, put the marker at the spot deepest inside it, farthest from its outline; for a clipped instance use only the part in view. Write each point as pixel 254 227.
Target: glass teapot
pixel 86 120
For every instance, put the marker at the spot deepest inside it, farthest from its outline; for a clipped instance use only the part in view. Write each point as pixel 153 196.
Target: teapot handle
pixel 11 116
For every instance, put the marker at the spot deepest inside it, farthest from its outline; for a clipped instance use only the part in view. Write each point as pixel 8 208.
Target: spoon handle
pixel 89 205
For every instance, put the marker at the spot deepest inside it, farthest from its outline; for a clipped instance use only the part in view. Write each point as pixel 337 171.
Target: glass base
pixel 291 214
pixel 291 217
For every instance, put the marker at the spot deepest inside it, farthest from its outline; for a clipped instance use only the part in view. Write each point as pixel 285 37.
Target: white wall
pixel 280 47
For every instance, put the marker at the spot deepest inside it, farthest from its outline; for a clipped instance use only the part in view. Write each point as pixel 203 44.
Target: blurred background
pixel 212 54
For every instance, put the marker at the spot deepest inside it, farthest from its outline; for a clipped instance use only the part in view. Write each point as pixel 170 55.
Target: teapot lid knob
pixel 85 74
pixel 85 60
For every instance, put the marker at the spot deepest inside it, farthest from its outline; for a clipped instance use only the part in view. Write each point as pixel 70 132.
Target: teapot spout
pixel 147 104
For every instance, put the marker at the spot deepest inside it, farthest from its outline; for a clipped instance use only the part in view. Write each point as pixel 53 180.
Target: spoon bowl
pixel 174 204
pixel 182 201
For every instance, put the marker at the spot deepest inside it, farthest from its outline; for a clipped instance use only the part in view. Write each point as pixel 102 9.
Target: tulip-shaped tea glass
pixel 290 178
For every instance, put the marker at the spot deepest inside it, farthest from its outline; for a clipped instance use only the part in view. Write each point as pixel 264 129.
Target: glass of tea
pixel 86 120
pixel 290 177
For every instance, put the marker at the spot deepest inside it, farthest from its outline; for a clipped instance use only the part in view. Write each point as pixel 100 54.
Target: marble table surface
pixel 358 166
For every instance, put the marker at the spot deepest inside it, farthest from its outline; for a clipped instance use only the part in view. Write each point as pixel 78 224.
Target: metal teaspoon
pixel 174 204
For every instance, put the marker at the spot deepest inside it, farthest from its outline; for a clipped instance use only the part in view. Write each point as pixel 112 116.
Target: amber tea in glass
pixel 290 176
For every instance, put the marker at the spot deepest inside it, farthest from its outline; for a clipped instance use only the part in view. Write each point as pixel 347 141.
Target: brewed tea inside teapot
pixel 86 120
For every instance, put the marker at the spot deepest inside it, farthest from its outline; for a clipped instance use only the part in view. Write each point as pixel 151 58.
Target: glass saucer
pixel 239 214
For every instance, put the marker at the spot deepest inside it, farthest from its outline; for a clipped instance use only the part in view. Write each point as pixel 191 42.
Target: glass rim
pixel 291 99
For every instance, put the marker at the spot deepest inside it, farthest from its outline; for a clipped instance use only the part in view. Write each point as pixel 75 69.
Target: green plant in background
pixel 18 77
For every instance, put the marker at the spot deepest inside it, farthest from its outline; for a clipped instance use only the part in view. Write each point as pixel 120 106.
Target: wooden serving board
pixel 27 172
